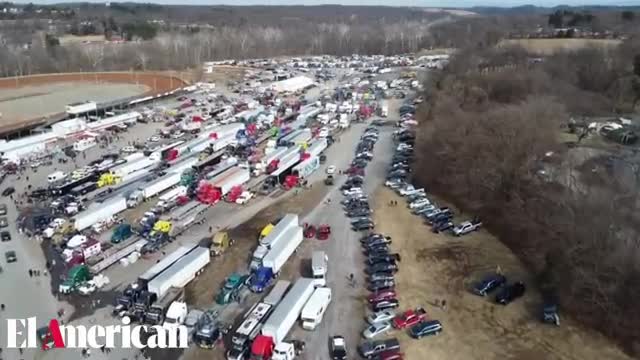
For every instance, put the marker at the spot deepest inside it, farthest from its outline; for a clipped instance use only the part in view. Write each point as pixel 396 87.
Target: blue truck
pixel 275 259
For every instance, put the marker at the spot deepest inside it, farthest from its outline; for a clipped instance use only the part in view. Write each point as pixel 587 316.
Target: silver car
pixel 381 316
pixel 376 329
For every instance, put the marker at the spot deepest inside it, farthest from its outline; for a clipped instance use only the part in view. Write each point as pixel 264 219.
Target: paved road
pixel 345 315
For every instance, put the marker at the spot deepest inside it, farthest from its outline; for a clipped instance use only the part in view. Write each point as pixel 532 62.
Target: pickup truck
pixel 409 318
pixel 466 227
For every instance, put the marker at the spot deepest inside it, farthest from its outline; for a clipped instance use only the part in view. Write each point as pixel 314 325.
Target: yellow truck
pixel 221 241
pixel 265 231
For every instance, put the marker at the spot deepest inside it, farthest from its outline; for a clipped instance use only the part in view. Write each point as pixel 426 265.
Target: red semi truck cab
pixel 262 348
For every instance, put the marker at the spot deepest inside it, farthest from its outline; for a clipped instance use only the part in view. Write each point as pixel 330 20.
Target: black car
pixel 510 292
pixel 8 191
pixel 5 236
pixel 381 285
pixel 442 226
pixel 363 211
pixel 388 258
pixel 385 305
pixel 489 284
pixel 338 348
pixel 375 242
pixel 376 250
pixel 362 226
pixel 371 237
pixel 380 276
pixel 425 328
pixel 10 256
pixel 442 217
pixel 381 267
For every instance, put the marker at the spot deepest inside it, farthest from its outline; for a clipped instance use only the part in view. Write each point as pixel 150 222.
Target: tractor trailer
pixel 275 235
pixel 276 258
pixel 100 212
pixel 253 321
pixel 270 343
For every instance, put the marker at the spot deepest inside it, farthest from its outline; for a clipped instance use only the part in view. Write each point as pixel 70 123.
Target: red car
pixel 309 231
pixel 409 318
pixel 389 355
pixel 355 171
pixel 382 295
pixel 323 232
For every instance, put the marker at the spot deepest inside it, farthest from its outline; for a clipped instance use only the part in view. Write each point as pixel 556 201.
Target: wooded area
pixel 484 138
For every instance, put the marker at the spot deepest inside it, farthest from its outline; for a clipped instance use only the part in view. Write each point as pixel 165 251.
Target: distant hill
pixel 533 9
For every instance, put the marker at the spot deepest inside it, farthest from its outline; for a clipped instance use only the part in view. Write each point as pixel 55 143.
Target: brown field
pixel 38 89
pixel 72 39
pixel 436 267
pixel 549 46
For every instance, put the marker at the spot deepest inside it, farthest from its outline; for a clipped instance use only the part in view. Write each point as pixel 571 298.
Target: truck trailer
pixel 279 323
pixel 276 258
pixel 99 212
pixel 180 273
pixel 114 254
pixel 153 188
pixel 276 235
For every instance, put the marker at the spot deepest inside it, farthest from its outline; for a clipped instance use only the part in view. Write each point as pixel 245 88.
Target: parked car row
pixel 439 218
pixel 356 203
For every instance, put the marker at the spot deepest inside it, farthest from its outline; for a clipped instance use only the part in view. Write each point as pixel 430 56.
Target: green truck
pixel 234 289
pixel 76 276
pixel 121 233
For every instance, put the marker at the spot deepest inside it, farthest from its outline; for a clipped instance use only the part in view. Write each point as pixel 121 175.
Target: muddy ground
pixel 438 267
pixel 202 291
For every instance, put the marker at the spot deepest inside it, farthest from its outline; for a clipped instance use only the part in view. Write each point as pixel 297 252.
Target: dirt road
pixel 440 267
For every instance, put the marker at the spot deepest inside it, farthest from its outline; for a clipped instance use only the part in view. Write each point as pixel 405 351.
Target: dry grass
pixel 550 46
pixel 438 266
pixel 73 39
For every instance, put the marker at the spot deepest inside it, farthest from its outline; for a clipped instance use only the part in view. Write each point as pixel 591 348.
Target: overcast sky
pixel 432 3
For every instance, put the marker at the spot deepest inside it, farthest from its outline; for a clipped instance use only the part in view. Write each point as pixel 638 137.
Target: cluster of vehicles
pixel 355 202
pixel 439 218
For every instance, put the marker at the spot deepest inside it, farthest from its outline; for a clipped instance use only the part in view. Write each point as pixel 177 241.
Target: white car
pixel 154 138
pixel 352 191
pixel 244 197
pixel 419 203
pixel 331 170
pixel 390 183
pixel 412 191
pixel 381 316
pixel 177 135
pixel 376 329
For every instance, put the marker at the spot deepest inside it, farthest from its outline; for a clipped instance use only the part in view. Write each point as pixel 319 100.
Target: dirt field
pixel 436 267
pixel 49 93
pixel 549 46
pixel 72 39
pixel 202 291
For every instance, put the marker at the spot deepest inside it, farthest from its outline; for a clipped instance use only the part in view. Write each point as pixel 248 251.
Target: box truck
pixel 319 267
pixel 315 308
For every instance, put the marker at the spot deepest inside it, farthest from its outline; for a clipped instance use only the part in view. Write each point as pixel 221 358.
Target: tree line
pixel 489 142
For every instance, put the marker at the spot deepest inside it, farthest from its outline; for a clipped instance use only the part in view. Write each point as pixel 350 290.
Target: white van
pixel 314 309
pixel 319 267
pixel 56 176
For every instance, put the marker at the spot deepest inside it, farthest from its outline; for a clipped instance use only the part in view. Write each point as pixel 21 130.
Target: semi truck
pixel 270 343
pixel 180 273
pixel 155 314
pixel 99 212
pixel 314 310
pixel 275 235
pixel 196 215
pixel 319 267
pixel 213 190
pixel 276 258
pixel 124 304
pixel 168 200
pixel 253 321
pixel 285 161
pixel 152 188
pixel 306 167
